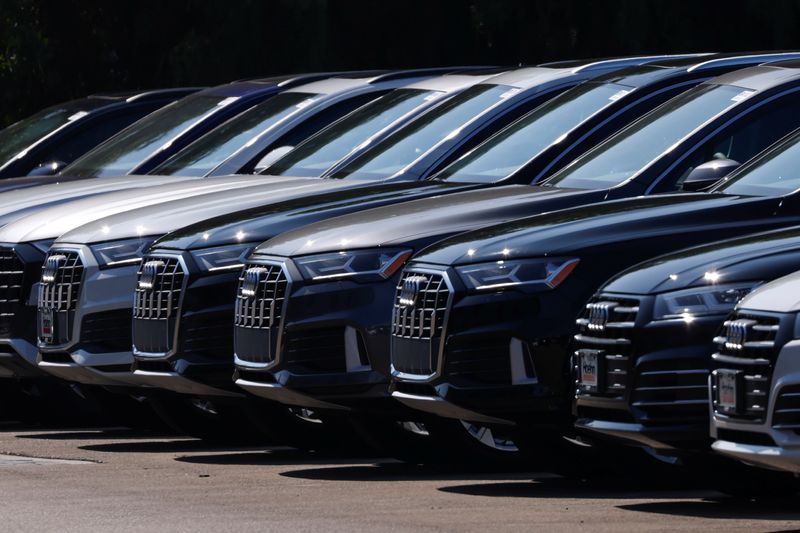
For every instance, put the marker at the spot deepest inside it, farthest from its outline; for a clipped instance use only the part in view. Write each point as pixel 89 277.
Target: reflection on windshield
pixel 404 147
pixel 204 154
pixel 635 147
pixel 775 174
pixel 518 143
pixel 123 152
pixel 320 152
pixel 20 135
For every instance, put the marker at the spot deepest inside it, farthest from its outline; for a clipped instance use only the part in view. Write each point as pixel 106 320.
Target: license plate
pixel 589 367
pixel 727 394
pixel 46 324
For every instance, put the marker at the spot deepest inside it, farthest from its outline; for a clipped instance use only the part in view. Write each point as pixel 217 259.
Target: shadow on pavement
pixel 396 471
pixel 278 456
pixel 96 434
pixel 158 446
pixel 724 508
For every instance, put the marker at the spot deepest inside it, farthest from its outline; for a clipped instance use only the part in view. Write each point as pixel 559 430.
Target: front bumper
pixel 765 443
pixel 333 348
pixel 501 358
pixel 96 349
pixel 660 401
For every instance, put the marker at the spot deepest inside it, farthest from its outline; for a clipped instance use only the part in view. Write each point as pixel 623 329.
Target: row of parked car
pixel 459 264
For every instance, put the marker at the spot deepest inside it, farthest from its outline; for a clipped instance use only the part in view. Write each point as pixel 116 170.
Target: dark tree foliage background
pixel 54 50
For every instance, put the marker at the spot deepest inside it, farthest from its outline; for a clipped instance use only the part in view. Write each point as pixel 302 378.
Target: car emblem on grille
pixel 409 293
pixel 51 265
pixel 150 271
pixel 252 277
pixel 737 334
pixel 599 314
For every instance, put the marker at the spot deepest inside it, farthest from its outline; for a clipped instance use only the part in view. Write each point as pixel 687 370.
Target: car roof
pixel 761 77
pixel 452 82
pixel 145 95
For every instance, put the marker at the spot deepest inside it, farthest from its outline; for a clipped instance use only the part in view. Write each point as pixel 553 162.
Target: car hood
pixel 595 228
pixel 277 215
pixel 24 182
pixel 51 221
pixel 756 257
pixel 779 296
pixel 417 223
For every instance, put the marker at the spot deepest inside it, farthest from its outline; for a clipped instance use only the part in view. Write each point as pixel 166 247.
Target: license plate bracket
pixel 590 369
pixel 729 388
pixel 46 324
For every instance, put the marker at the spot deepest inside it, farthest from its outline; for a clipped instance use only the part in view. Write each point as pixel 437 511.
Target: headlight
pixel 364 265
pixel 532 274
pixel 120 253
pixel 43 246
pixel 698 301
pixel 222 258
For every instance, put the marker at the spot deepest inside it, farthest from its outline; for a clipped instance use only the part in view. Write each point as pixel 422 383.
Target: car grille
pixel 156 306
pixel 62 274
pixel 484 361
pixel 12 272
pixel 605 325
pixel 787 408
pixel 260 302
pixel 747 344
pixel 418 318
pixel 109 331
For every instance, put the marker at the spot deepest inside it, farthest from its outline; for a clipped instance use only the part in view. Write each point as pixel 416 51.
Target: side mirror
pixel 272 156
pixel 707 174
pixel 48 169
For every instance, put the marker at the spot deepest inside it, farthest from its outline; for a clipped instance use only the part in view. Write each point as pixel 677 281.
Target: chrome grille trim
pixel 748 345
pixel 62 274
pixel 159 287
pixel 12 273
pixel 427 326
pixel 605 324
pixel 259 315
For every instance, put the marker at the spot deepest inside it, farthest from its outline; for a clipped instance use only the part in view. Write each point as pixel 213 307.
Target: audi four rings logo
pixel 599 314
pixel 51 265
pixel 409 292
pixel 251 279
pixel 737 334
pixel 150 271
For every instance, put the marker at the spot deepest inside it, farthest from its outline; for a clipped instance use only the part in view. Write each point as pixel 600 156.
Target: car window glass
pixel 126 150
pixel 20 135
pixel 405 146
pixel 744 140
pixel 520 142
pixel 211 149
pixel 73 146
pixel 774 174
pixel 321 151
pixel 637 146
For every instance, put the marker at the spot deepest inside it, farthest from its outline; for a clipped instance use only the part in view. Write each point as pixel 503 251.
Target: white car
pixel 755 379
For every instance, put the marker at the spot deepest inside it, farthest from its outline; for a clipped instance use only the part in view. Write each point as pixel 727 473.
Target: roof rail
pixel 621 62
pixel 745 59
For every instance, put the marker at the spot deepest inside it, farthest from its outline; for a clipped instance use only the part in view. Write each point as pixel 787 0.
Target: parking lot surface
pixel 121 480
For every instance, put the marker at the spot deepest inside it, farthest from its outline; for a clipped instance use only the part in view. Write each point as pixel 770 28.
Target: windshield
pixel 204 154
pixel 515 145
pixel 404 147
pixel 775 174
pixel 635 147
pixel 123 152
pixel 20 135
pixel 321 151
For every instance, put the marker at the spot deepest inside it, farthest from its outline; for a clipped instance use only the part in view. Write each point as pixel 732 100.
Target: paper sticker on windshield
pixel 79 114
pixel 227 101
pixel 510 92
pixel 742 96
pixel 619 94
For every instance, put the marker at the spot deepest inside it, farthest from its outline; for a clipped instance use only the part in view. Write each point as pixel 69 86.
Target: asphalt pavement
pixel 115 479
